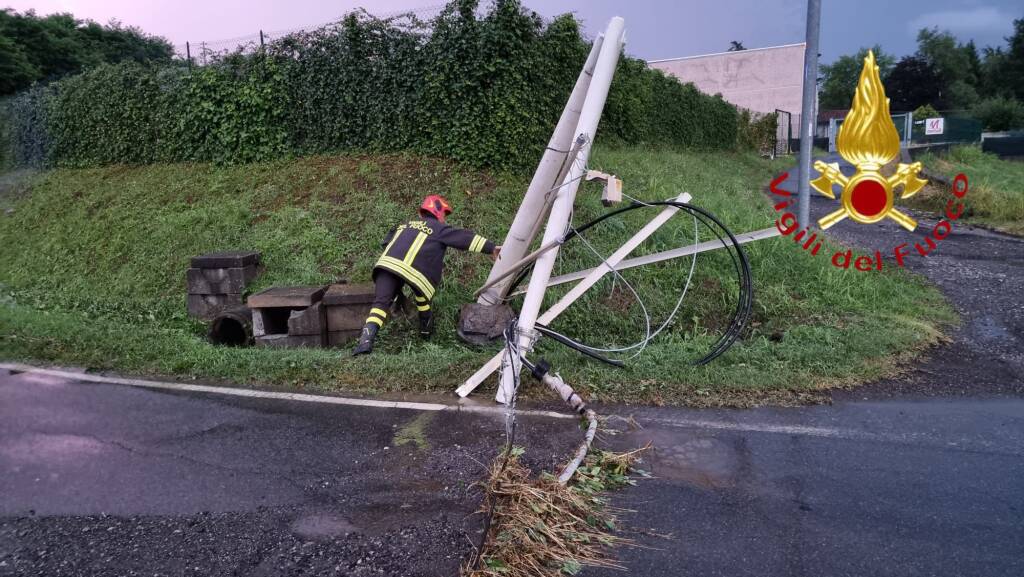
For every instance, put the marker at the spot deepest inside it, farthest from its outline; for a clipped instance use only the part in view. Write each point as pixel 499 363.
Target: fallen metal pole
pixel 561 210
pixel 577 291
pixel 535 203
pixel 668 255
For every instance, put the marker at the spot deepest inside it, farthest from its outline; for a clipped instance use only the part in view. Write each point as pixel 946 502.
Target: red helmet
pixel 437 206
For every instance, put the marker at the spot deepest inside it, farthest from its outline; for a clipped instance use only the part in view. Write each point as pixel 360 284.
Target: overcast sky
pixel 655 28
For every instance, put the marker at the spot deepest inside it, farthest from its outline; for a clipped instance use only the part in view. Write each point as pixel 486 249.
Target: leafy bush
pixel 484 90
pixel 26 131
pixel 926 111
pixel 757 131
pixel 1000 113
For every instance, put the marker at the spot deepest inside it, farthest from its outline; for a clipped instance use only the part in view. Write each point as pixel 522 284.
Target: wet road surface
pixel 102 479
pixel 112 480
pixel 925 487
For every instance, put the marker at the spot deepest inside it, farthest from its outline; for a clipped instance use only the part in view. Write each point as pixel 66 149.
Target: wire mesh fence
pixel 203 52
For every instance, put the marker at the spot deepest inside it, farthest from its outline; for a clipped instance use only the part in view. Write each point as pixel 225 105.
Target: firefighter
pixel 414 256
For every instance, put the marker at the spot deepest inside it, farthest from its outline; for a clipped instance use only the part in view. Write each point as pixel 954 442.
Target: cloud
pixel 982 21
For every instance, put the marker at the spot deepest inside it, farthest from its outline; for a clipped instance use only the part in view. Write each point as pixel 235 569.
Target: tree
pixel 940 49
pixel 957 65
pixel 1008 72
pixel 974 66
pixel 736 46
pixel 15 69
pixel 35 48
pixel 914 82
pixel 840 77
pixel 1000 113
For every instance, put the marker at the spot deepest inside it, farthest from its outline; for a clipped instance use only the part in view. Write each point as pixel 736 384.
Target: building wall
pixel 759 79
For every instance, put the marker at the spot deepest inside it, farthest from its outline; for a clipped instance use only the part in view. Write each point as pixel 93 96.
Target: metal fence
pixel 207 51
pixel 949 127
pixel 783 132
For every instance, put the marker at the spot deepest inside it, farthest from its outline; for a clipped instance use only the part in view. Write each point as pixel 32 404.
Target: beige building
pixel 758 79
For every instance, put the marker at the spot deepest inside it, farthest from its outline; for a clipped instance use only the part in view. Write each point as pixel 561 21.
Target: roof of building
pixel 726 52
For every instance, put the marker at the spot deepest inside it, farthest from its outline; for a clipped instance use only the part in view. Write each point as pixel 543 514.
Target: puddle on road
pixel 44 449
pixel 702 461
pixel 322 526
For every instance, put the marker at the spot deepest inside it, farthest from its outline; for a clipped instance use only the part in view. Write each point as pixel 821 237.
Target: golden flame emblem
pixel 868 140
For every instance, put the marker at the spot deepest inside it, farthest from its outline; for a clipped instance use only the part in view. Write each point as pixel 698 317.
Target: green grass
pixel 995 196
pixel 94 260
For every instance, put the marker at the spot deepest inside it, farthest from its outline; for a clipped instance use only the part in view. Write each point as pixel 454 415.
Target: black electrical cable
pixel 573 344
pixel 745 301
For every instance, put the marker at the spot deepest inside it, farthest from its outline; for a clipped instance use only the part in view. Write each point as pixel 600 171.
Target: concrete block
pixel 307 321
pixel 343 339
pixel 206 307
pixel 212 281
pixel 287 297
pixel 347 317
pixel 289 341
pixel 483 324
pixel 227 259
pixel 347 294
pixel 347 306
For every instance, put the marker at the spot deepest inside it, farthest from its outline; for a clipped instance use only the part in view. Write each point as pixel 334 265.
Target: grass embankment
pixel 94 260
pixel 996 187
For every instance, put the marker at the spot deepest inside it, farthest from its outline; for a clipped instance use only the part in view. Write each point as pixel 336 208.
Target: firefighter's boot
pixel 426 324
pixel 366 339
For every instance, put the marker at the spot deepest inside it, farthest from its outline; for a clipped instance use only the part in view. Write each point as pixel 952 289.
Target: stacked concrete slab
pixel 289 317
pixel 217 281
pixel 346 306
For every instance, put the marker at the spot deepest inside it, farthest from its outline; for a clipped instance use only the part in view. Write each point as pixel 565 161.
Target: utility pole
pixel 808 121
pixel 565 197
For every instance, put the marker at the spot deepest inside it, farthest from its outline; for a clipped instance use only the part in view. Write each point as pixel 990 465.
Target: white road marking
pixel 914 438
pixel 764 428
pixel 302 397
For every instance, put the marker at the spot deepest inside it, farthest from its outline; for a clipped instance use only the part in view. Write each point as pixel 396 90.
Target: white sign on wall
pixel 934 125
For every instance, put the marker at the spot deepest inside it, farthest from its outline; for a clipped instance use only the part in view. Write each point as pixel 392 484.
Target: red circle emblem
pixel 868 197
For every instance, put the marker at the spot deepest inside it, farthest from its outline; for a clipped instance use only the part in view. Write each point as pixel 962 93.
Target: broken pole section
pixel 561 210
pixel 531 211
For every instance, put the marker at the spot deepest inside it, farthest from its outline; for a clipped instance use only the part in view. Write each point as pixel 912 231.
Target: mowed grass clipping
pixel 995 196
pixel 93 274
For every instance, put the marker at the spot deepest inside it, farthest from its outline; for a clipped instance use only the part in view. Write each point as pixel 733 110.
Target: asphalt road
pixel 926 487
pixel 102 479
pixel 113 480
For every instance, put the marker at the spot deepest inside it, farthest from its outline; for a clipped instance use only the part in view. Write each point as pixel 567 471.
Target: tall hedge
pixel 486 90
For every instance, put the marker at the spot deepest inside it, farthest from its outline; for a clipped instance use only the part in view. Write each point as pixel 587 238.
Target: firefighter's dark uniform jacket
pixel 415 251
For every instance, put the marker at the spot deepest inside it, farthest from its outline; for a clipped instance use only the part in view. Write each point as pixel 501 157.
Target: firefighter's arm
pixel 462 239
pixel 390 235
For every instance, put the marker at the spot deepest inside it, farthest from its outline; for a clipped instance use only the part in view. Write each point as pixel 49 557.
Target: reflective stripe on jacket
pixel 415 251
